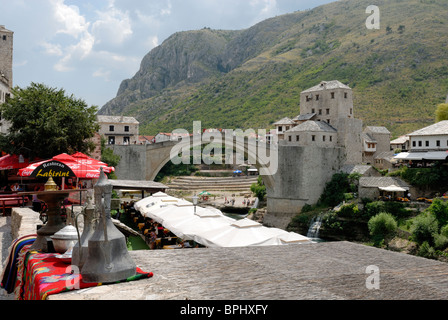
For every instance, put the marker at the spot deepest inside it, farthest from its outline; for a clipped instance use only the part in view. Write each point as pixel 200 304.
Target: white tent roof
pixel 187 227
pixel 241 233
pixel 430 155
pixel 393 188
pixel 209 227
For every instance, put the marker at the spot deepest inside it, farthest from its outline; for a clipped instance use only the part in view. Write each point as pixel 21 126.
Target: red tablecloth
pixel 43 274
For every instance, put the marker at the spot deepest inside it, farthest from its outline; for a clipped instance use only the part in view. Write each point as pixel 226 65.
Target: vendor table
pixel 39 274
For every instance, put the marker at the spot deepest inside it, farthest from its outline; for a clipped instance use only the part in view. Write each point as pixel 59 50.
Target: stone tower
pixel 6 55
pixel 332 102
pixel 327 137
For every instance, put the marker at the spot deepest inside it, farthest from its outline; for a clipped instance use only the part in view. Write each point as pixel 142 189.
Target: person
pixel 152 240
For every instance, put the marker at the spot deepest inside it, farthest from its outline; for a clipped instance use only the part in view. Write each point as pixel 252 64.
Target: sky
pixel 88 47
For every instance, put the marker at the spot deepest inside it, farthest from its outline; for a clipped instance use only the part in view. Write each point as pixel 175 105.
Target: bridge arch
pixel 144 162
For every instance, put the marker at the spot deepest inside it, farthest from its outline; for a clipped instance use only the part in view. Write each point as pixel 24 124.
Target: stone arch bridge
pixel 143 162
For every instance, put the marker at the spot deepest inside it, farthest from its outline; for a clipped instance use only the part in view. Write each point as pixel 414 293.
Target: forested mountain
pixel 251 78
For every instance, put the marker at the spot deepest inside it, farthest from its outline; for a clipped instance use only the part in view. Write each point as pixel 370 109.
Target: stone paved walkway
pixel 330 271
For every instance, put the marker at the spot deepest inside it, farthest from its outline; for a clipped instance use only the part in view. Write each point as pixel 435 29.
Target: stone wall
pixel 300 179
pixel 24 221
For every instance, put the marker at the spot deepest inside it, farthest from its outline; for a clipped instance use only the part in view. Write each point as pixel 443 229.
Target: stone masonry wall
pixel 300 179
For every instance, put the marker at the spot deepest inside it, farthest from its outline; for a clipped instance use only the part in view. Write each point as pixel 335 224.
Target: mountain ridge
pixel 250 78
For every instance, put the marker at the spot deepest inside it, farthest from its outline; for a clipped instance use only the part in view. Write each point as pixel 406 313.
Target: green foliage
pixel 440 241
pixel 424 228
pixel 442 112
pixel 335 189
pixel 424 177
pixel 381 226
pixel 48 122
pixel 444 230
pixel 439 209
pixel 349 211
pixel 426 250
pixel 259 189
pixel 171 169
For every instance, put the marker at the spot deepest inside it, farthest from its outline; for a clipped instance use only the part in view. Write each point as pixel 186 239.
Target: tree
pixel 46 122
pixel 259 189
pixel 382 226
pixel 442 112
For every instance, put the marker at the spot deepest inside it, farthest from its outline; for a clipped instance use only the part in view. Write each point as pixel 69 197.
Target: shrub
pixel 440 241
pixel 259 189
pixel 371 209
pixel 381 226
pixel 424 228
pixel 426 251
pixel 444 230
pixel 349 211
pixel 335 189
pixel 440 211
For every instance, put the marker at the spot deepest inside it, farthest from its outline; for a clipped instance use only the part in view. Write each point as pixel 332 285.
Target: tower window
pixel 4 38
pixel 297 138
pixel 313 138
pixel 332 95
pixel 317 97
pixel 345 95
pixel 328 111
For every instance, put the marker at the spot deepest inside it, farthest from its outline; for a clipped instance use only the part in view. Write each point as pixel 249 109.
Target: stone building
pixel 376 142
pixel 326 137
pixel 6 74
pixel 119 129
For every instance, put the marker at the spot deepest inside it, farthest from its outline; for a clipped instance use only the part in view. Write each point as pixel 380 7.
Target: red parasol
pixel 85 159
pixel 10 162
pixel 57 167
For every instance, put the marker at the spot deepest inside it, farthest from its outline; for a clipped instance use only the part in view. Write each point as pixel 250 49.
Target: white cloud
pixel 89 47
pixel 71 22
pixel 52 49
pixel 112 27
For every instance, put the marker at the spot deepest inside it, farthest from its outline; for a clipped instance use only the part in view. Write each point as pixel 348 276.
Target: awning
pixel 393 188
pixel 409 156
pixel 430 155
pixel 435 155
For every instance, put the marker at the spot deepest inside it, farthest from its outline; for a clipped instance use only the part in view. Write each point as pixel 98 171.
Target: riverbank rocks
pixel 402 245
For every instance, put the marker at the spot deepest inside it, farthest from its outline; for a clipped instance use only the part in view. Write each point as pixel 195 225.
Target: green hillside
pixel 398 73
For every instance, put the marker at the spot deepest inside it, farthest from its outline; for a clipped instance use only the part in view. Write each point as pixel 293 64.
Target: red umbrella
pixel 85 159
pixel 62 165
pixel 10 162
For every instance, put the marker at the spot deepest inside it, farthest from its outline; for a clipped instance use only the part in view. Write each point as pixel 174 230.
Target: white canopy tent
pixel 186 227
pixel 209 226
pixel 240 233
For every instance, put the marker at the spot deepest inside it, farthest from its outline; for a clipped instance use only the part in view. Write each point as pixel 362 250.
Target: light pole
pixel 195 202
